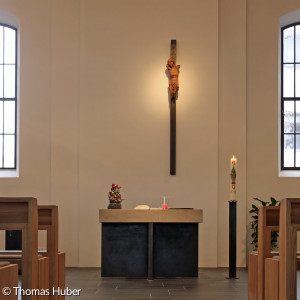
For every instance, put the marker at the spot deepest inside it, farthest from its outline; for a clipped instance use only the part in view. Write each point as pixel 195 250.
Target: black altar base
pixel 149 250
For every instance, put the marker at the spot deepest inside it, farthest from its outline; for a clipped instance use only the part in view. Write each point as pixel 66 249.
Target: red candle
pixel 164 206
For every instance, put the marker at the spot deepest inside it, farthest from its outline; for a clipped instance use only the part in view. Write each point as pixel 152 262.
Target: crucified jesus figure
pixel 174 72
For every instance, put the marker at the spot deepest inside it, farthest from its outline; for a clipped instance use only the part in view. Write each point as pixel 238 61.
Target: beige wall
pixel 124 111
pixel 232 123
pixel 94 111
pixel 262 101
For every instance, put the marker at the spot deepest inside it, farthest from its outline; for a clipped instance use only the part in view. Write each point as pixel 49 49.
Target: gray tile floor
pixel 210 285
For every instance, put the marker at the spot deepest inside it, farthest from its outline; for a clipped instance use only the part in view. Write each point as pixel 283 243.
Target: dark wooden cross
pixel 173 119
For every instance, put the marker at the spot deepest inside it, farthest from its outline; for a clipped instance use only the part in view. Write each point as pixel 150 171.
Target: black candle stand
pixel 232 240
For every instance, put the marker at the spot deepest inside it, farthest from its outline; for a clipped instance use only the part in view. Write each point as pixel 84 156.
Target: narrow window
pixel 290 97
pixel 8 96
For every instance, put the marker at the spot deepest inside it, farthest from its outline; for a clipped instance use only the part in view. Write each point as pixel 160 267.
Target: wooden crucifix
pixel 173 88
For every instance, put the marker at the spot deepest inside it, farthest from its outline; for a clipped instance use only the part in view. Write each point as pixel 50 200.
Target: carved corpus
pixel 174 73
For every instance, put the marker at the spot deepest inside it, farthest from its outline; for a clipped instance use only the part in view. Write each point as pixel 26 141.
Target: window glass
pixel 290 97
pixel 9 117
pixel 9 81
pixel 8 100
pixel 289 150
pixel 9 146
pixel 288 80
pixel 289 117
pixel 288 45
pixel 9 45
pixel 298 43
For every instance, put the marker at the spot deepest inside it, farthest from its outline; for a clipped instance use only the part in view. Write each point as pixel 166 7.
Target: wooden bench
pixel 48 221
pixel 263 267
pixel 277 275
pixel 252 276
pixel 8 278
pixel 272 278
pixel 22 214
pixel 289 225
pixel 14 257
pixel 268 221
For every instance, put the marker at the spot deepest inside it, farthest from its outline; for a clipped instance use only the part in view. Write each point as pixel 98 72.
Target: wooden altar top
pixel 151 215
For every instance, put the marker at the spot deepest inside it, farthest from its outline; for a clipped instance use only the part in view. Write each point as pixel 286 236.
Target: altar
pixel 149 243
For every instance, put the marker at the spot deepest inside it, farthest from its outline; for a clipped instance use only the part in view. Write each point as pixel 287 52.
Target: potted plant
pixel 114 197
pixel 254 224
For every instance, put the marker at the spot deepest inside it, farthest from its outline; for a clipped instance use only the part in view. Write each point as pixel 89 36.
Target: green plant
pixel 254 223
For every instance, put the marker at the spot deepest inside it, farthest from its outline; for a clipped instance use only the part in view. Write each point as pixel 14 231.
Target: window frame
pixel 284 99
pixel 15 100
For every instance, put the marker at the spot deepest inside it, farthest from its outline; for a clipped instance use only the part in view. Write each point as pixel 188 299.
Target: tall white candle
pixel 233 162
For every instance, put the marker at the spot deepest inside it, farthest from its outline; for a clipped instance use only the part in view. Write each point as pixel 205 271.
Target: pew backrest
pixel 48 220
pixel 268 221
pixel 289 225
pixel 22 214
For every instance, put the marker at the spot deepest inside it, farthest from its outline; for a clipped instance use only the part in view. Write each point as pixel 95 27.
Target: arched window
pixel 290 97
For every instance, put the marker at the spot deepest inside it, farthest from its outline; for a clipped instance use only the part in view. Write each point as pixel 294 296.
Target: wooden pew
pixel 22 214
pixel 48 221
pixel 268 221
pixel 272 278
pixel 267 262
pixel 62 272
pixel 15 257
pixel 289 225
pixel 252 276
pixel 8 278
pixel 43 276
